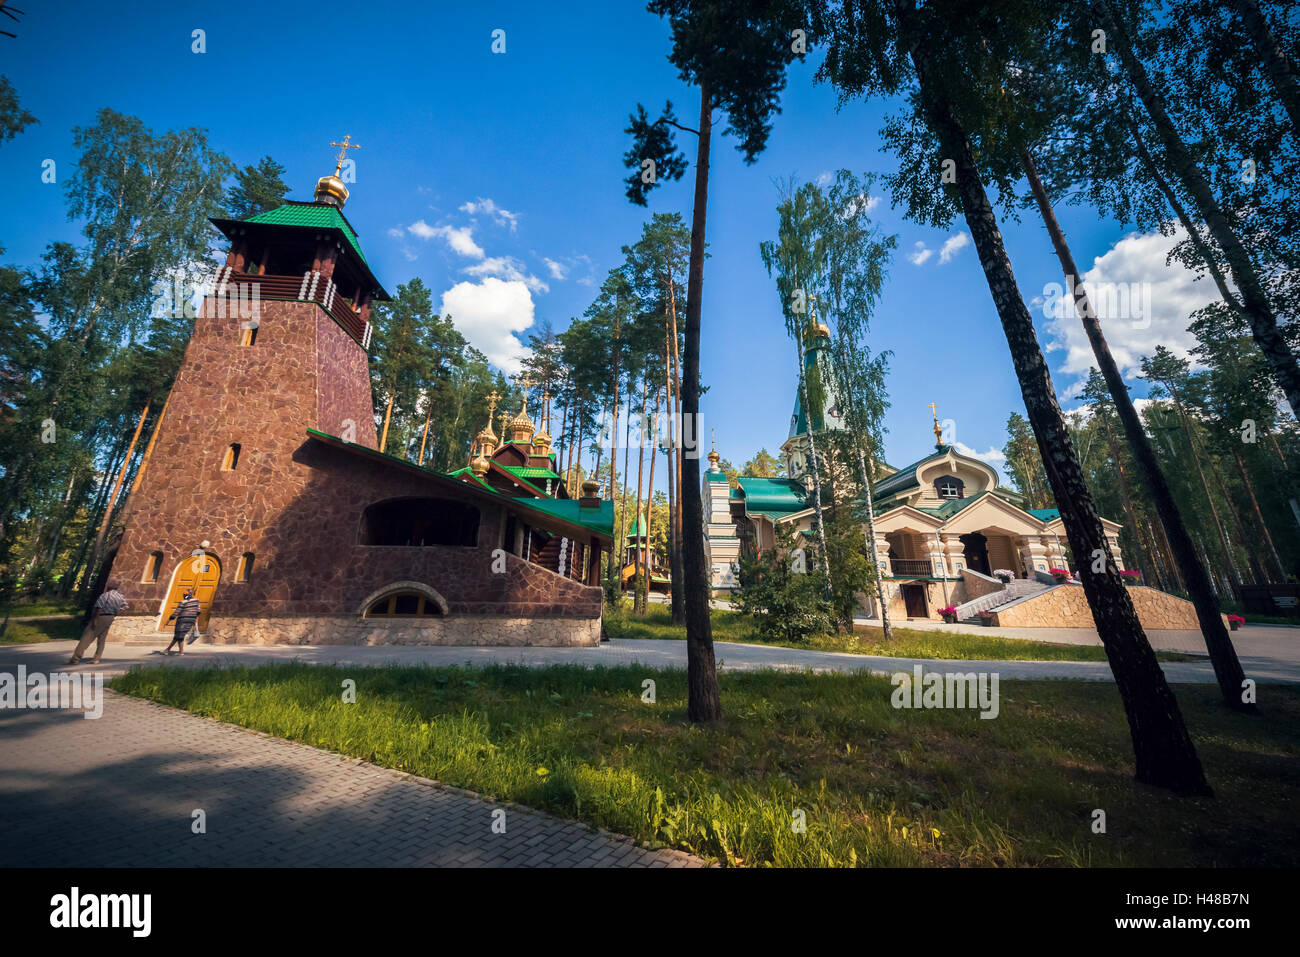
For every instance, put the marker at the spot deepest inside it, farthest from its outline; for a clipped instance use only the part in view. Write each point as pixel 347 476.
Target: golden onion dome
pixel 479 464
pixel 486 436
pixel 330 189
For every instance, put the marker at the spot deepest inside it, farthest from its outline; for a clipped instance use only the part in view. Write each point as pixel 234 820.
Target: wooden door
pixel 914 600
pixel 202 573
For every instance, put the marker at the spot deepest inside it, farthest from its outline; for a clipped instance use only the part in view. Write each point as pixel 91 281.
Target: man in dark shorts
pixel 186 615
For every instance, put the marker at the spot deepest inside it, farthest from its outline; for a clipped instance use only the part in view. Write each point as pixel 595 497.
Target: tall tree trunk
pixel 121 476
pixel 650 503
pixel 1164 753
pixel 1254 300
pixel 705 701
pixel 1205 485
pixel 679 576
pixel 819 528
pixel 1275 63
pixel 638 598
pixel 1252 555
pixel 676 602
pixel 1126 496
pixel 1259 516
pixel 1227 668
pixel 92 519
pixel 866 474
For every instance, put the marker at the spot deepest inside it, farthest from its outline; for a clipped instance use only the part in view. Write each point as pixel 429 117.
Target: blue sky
pixel 497 179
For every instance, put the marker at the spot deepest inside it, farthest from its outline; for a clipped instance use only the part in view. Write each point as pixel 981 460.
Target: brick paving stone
pixel 120 791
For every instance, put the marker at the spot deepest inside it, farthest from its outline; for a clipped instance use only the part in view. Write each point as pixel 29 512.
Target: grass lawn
pixel 52 629
pixel 44 606
pixel 877 786
pixel 907 642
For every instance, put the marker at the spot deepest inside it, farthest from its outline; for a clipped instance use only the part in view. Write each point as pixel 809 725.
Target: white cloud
pixel 1141 301
pixel 920 255
pixel 460 239
pixel 992 456
pixel 489 314
pixel 558 270
pixel 487 207
pixel 508 268
pixel 953 245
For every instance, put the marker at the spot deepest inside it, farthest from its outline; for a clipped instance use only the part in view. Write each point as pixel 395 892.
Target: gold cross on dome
pixel 343 151
pixel 492 399
pixel 525 382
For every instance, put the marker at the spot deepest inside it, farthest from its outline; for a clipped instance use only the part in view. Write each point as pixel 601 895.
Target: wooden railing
pixel 310 288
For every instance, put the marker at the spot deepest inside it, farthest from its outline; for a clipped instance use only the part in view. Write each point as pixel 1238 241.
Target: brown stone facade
pixel 295 505
pixel 1066 607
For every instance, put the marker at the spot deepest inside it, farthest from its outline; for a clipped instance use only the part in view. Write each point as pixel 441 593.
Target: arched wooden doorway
pixel 200 572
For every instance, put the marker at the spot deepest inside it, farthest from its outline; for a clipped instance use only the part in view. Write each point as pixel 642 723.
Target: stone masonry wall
pixel 351 630
pixel 1065 606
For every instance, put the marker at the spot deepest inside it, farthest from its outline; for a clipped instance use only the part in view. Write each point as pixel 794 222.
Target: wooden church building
pixel 266 493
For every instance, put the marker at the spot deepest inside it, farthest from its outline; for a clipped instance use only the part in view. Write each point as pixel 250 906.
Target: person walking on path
pixel 106 608
pixel 186 615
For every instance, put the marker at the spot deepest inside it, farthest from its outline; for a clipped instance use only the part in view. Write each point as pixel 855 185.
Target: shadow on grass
pixel 870 784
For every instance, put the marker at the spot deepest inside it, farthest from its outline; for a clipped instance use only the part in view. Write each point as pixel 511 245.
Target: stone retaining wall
pixel 1065 606
pixel 351 630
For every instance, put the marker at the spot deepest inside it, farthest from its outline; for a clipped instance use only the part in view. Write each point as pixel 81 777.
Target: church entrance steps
pixel 1014 591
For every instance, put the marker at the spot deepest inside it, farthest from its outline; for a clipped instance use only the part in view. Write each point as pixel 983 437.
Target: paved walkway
pixel 121 791
pixel 1268 654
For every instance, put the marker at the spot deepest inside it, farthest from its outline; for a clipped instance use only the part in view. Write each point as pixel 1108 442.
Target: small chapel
pixel 948 533
pixel 265 492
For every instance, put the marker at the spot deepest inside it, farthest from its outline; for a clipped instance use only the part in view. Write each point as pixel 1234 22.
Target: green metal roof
pixel 312 216
pixel 773 494
pixel 1045 514
pixel 638 530
pixel 830 416
pixel 599 519
pixel 531 472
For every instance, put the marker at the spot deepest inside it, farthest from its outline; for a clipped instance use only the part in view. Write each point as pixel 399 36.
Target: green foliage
pixel 1024 463
pixel 13 118
pixel 257 188
pixel 778 589
pixel 852 572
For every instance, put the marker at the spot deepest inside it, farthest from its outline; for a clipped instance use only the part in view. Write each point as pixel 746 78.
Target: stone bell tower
pixel 278 347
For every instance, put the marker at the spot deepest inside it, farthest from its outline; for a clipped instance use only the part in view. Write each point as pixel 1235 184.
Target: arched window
pixel 417 522
pixel 950 487
pixel 403 604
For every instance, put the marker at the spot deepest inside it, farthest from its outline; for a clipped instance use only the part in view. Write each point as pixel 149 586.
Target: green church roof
pixel 773 496
pixel 531 472
pixel 313 216
pixel 1045 514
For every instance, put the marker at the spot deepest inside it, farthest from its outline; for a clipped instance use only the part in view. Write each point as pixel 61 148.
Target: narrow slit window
pixel 245 567
pixel 249 336
pixel 231 460
pixel 152 566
